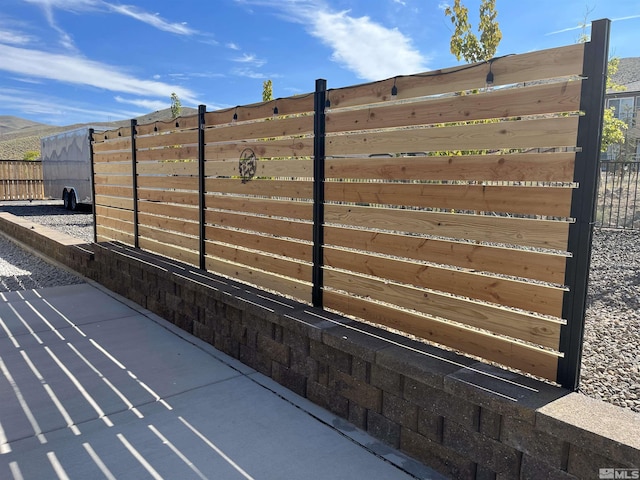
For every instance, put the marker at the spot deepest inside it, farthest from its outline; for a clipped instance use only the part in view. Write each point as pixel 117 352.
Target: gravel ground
pixel 611 358
pixel 22 271
pixel 611 353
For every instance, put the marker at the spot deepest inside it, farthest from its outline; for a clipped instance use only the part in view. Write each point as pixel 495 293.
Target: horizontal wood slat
pixel 118 143
pixel 286 286
pixel 183 123
pixel 169 196
pixel 120 168
pixel 270 127
pixel 106 157
pixel 106 234
pixel 184 212
pixel 530 167
pixel 296 147
pixel 546 132
pixel 266 188
pixel 115 202
pixel 261 206
pixel 270 226
pixel 168 154
pixel 552 201
pixel 539 65
pixel 517 355
pixel 168 182
pixel 538 330
pixel 180 138
pixel 521 263
pixel 169 224
pixel 261 242
pixel 267 263
pixel 117 191
pixel 286 106
pixel 170 251
pixel 122 132
pixel 169 237
pixel 266 168
pixel 483 228
pixel 530 297
pixel 121 180
pixel 513 102
pixel 117 224
pixel 116 213
pixel 167 168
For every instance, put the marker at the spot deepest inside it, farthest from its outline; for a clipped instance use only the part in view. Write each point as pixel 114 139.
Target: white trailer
pixel 66 167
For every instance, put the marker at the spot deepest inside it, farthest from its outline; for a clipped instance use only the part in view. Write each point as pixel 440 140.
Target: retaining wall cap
pixel 55 235
pixel 593 425
pixel 353 340
pixel 502 391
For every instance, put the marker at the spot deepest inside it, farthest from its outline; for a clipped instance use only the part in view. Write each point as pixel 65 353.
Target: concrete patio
pixel 93 386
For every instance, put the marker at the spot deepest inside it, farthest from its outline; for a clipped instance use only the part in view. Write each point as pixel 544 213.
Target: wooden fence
pixel 21 180
pixel 433 204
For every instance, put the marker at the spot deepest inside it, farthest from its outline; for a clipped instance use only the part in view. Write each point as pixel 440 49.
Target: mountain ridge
pixel 19 135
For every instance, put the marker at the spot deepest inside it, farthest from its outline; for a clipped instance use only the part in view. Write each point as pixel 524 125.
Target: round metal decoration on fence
pixel 248 165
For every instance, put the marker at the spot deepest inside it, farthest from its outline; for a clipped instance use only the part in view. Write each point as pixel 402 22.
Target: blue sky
pixel 70 61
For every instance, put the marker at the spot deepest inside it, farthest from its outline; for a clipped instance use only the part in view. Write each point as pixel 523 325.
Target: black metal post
pixel 134 173
pixel 93 186
pixel 319 129
pixel 583 202
pixel 202 109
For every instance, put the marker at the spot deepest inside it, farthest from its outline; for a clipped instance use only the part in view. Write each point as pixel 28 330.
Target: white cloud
pixel 153 19
pixel 249 73
pixel 250 58
pixel 76 70
pixel 363 46
pixel 367 48
pixel 56 110
pixel 232 46
pixel 149 105
pixel 14 38
pixel 76 6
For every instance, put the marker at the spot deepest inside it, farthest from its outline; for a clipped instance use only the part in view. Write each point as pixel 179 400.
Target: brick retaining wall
pixel 461 417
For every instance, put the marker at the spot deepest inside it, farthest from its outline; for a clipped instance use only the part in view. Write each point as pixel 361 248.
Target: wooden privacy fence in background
pixel 434 204
pixel 21 180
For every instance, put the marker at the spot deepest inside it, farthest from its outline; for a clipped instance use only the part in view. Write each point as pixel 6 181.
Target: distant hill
pixel 12 124
pixel 18 135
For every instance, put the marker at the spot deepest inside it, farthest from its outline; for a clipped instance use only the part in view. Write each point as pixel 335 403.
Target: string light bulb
pixel 490 75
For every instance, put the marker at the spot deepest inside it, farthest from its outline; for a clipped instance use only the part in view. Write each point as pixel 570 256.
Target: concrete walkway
pixel 92 386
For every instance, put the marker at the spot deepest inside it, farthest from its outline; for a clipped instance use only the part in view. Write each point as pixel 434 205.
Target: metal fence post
pixel 319 129
pixel 583 203
pixel 134 173
pixel 93 186
pixel 202 109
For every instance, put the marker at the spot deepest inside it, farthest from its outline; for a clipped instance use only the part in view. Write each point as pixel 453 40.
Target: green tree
pixel 31 155
pixel 613 129
pixel 464 43
pixel 176 106
pixel 267 91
